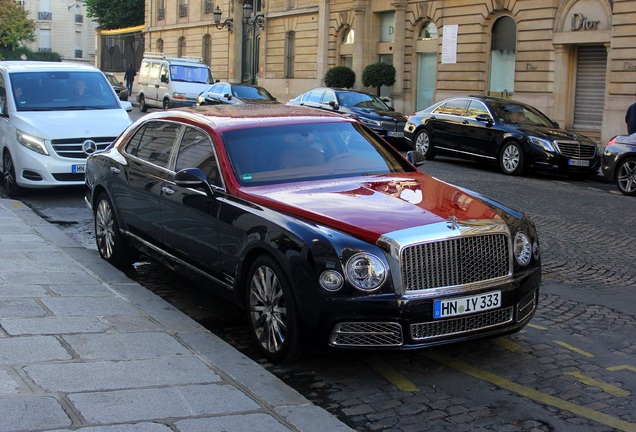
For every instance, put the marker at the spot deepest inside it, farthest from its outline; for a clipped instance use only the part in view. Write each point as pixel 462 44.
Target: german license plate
pixel 579 162
pixel 78 169
pixel 466 305
pixel 396 134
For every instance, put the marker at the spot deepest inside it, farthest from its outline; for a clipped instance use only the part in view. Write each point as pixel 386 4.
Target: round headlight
pixel 522 248
pixel 331 280
pixel 366 272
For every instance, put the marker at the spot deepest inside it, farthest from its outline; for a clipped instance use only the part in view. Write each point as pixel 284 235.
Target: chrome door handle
pixel 115 170
pixel 167 190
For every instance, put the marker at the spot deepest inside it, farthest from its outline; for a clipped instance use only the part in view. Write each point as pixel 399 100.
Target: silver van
pixel 169 82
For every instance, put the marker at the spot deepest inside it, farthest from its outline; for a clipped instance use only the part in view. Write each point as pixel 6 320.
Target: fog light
pixel 331 280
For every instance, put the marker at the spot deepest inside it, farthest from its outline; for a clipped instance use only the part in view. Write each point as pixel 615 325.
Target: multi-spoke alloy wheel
pixel 271 311
pixel 110 243
pixel 10 184
pixel 423 145
pixel 511 159
pixel 626 177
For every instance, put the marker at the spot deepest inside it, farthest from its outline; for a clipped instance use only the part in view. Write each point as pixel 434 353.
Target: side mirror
pixel 227 96
pixel 193 178
pixel 415 157
pixel 556 125
pixel 334 105
pixel 483 118
pixel 126 105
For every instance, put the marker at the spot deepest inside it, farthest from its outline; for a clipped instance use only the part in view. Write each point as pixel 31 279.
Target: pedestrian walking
pixel 129 76
pixel 630 118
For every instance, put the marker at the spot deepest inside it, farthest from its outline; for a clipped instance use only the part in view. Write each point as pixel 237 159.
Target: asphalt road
pixel 572 368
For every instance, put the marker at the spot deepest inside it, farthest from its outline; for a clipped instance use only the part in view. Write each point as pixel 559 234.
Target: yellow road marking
pixel 538 327
pixel 18 204
pixel 607 388
pixel 622 367
pixel 533 394
pixel 573 348
pixel 507 344
pixel 392 376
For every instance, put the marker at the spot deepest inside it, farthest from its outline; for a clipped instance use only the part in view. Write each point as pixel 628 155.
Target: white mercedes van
pixel 52 116
pixel 169 82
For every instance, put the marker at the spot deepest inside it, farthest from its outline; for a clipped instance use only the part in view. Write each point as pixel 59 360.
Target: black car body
pixel 235 94
pixel 514 135
pixel 365 107
pixel 322 231
pixel 619 163
pixel 118 86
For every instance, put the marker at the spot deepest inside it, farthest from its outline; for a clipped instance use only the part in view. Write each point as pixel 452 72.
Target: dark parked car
pixel 619 163
pixel 118 86
pixel 319 229
pixel 235 94
pixel 365 107
pixel 511 134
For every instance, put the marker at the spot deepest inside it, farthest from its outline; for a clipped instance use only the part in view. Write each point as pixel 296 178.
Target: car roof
pixel 226 117
pixel 338 89
pixel 38 66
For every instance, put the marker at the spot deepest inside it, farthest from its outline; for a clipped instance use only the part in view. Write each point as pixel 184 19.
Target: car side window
pixel 154 143
pixel 475 108
pixel 315 96
pixel 328 97
pixel 455 107
pixel 196 151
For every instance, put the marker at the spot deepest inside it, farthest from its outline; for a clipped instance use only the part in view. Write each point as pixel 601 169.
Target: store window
pixel 502 57
pixel 388 27
pixel 428 32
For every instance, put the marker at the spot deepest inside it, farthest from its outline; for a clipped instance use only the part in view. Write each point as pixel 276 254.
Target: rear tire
pixel 9 178
pixel 626 177
pixel 142 104
pixel 271 311
pixel 511 159
pixel 110 243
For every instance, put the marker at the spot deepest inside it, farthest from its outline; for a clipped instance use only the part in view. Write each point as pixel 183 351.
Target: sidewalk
pixel 84 348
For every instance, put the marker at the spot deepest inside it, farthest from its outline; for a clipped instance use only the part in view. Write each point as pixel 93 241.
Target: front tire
pixel 271 311
pixel 511 159
pixel 423 145
pixel 626 177
pixel 9 177
pixel 110 243
pixel 142 104
pixel 166 104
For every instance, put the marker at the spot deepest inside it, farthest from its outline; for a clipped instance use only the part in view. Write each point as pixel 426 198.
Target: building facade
pixel 62 27
pixel 573 59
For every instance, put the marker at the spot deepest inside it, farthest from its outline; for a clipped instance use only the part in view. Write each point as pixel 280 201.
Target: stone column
pixel 399 42
pixel 359 8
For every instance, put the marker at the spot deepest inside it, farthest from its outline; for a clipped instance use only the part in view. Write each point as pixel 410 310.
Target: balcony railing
pixel 45 16
pixel 41 49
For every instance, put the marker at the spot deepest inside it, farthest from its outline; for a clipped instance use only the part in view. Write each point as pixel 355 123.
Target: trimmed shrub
pixel 378 75
pixel 340 76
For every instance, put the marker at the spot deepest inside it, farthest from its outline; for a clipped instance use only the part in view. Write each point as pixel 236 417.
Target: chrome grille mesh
pixel 392 126
pixel 575 149
pixel 456 261
pixel 461 325
pixel 367 334
pixel 73 147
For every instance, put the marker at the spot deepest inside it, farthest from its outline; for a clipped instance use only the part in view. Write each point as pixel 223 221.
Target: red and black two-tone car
pixel 317 226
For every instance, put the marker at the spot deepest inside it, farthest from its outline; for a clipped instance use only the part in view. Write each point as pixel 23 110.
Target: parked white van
pixel 52 116
pixel 168 82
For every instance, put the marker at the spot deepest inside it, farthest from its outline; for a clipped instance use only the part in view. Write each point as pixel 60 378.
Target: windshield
pixel 61 91
pixel 361 100
pixel 195 74
pixel 245 92
pixel 513 113
pixel 302 152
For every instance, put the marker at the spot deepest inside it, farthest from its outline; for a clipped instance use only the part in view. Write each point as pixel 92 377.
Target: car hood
pixel 72 124
pixel 375 114
pixel 368 207
pixel 554 134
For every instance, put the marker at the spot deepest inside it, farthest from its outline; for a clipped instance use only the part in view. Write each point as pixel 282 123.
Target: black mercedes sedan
pixel 619 163
pixel 514 135
pixel 367 108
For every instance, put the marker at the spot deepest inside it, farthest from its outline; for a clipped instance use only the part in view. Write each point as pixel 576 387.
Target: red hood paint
pixel 368 207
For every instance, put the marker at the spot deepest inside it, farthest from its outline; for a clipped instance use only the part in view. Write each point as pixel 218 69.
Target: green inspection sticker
pixel 247 177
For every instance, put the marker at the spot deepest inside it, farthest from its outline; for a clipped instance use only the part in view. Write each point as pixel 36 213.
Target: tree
pixel 115 14
pixel 340 76
pixel 15 26
pixel 378 75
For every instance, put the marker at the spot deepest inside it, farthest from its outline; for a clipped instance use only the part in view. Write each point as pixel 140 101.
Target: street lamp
pixel 253 25
pixel 228 23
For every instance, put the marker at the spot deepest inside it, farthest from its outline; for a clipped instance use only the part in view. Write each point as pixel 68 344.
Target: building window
pixel 182 47
pixel 428 32
pixel 161 10
pixel 78 44
pixel 387 27
pixel 45 16
pixel 44 40
pixel 208 7
pixel 183 8
pixel 207 49
pixel 160 45
pixel 290 52
pixel 79 19
pixel 503 57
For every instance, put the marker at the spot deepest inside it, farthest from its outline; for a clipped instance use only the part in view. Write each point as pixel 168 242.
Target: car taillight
pixel 611 142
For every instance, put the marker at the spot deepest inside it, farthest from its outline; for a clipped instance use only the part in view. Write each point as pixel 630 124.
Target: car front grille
pixel 367 334
pixel 460 325
pixel 74 147
pixel 456 261
pixel 393 126
pixel 574 149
